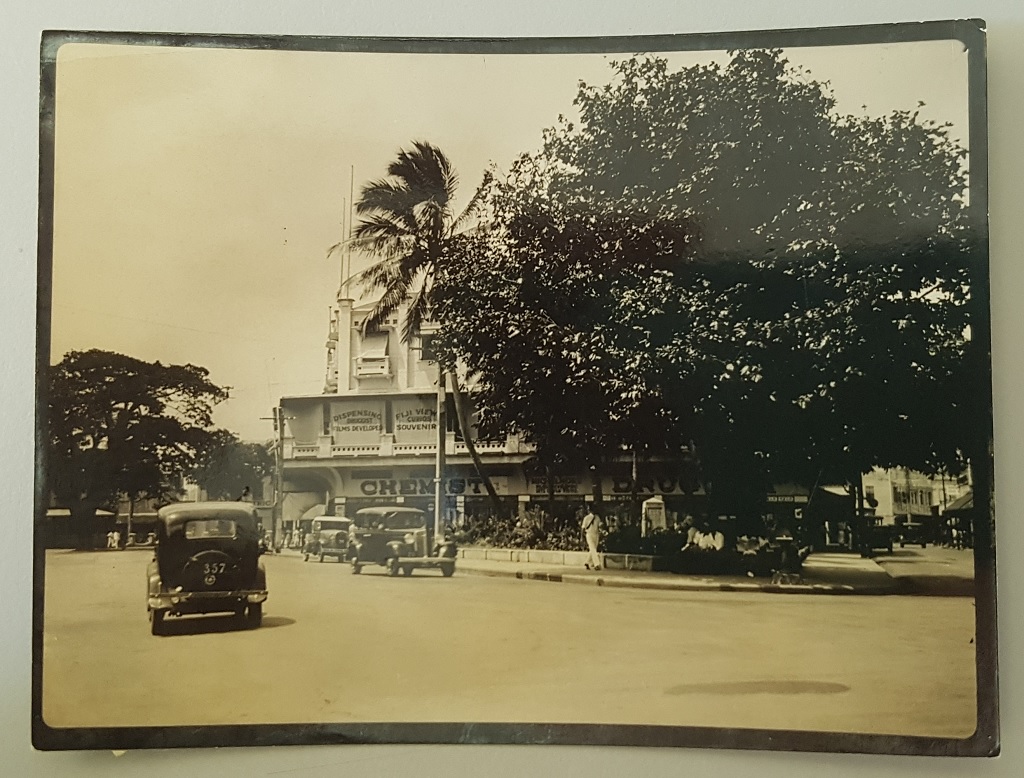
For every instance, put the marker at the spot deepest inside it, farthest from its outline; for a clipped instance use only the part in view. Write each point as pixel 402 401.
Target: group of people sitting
pixel 702 537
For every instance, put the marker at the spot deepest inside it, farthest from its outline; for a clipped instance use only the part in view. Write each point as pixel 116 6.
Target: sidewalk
pixel 822 574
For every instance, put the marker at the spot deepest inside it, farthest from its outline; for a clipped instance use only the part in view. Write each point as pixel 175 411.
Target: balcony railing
pixel 356 451
pixel 482 446
pixel 387 447
pixel 373 367
pixel 414 448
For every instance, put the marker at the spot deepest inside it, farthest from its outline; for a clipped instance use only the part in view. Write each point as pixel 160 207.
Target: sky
pixel 197 191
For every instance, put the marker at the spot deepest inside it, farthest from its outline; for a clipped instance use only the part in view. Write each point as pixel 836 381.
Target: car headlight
pixel 409 538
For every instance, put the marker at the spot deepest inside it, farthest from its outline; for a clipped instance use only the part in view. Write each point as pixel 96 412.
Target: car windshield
pixel 403 521
pixel 210 528
pixel 338 524
pixel 399 520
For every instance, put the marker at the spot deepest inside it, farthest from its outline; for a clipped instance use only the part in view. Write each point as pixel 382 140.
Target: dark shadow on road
pixel 759 687
pixel 908 558
pixel 202 625
pixel 936 586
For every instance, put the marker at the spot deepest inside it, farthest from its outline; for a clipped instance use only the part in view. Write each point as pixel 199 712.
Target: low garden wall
pixel 566 558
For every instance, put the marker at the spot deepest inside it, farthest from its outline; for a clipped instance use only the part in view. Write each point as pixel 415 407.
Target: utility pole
pixel 439 463
pixel 276 514
pixel 279 485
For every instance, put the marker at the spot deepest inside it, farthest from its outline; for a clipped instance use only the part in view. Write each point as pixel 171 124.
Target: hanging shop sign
pixel 567 485
pixel 793 499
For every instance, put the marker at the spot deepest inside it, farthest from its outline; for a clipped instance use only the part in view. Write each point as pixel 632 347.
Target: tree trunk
pixel 83 522
pixel 596 472
pixel 551 494
pixel 131 515
pixel 634 492
pixel 467 436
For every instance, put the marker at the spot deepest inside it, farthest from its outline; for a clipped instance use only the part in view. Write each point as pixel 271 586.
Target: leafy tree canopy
pixel 122 425
pixel 717 254
pixel 228 465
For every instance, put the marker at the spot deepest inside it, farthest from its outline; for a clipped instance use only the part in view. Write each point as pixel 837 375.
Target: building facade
pixel 899 494
pixel 371 438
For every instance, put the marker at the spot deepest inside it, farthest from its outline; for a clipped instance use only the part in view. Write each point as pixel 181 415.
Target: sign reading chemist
pixel 389 487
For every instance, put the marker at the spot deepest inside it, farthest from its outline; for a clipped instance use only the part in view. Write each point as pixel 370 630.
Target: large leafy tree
pixel 228 465
pixel 120 425
pixel 788 286
pixel 409 224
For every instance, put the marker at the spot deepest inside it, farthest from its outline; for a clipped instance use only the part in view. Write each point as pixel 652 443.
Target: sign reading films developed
pixel 355 426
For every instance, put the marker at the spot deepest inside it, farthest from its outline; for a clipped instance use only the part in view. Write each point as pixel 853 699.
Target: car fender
pixel 261 577
pixel 154 584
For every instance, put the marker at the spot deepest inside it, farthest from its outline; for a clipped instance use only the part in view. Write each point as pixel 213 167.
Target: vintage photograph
pixel 616 391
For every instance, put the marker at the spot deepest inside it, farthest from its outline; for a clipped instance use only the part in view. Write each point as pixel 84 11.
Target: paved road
pixel 933 570
pixel 342 648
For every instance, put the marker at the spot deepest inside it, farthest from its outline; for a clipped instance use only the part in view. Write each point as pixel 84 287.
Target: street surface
pixel 342 648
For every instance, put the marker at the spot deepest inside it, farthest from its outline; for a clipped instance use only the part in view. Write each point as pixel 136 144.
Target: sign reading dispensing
pixel 356 426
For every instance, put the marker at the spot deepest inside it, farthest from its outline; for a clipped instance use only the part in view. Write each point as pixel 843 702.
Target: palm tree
pixel 407 221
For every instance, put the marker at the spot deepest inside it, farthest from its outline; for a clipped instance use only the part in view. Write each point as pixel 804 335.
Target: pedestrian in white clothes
pixel 591 525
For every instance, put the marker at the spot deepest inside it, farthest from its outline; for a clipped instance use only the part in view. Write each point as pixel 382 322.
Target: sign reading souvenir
pixel 415 421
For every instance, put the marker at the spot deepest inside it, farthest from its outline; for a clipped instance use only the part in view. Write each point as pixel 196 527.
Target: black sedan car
pixel 399 539
pixel 207 561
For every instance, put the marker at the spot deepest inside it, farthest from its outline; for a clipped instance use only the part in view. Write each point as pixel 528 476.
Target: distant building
pixel 899 494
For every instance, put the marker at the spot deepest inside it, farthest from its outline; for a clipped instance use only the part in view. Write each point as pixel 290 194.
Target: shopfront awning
pixel 315 512
pixel 374 346
pixel 65 513
pixel 962 504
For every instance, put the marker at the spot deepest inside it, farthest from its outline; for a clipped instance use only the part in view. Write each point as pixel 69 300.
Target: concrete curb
pixel 681 585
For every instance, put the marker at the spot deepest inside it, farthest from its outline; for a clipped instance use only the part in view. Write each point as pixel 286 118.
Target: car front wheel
pixel 156 622
pixel 254 615
pixel 392 566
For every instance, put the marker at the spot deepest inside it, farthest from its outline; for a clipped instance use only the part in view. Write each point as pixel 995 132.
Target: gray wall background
pixel 20 26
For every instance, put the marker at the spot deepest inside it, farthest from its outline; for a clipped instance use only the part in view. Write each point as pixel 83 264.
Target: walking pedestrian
pixel 591 526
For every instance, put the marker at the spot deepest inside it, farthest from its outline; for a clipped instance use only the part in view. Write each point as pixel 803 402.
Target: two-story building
pixel 371 438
